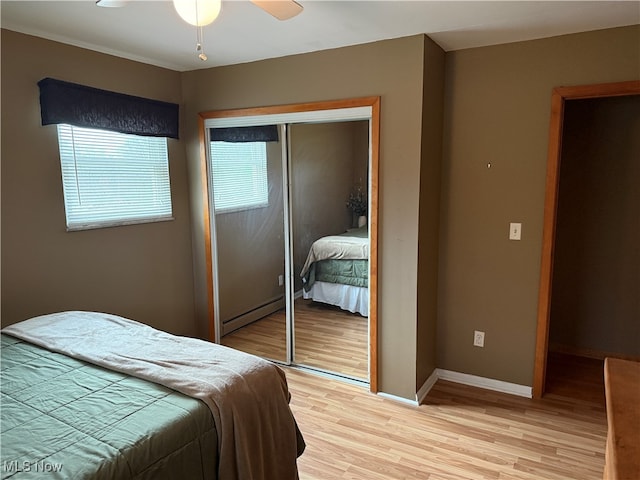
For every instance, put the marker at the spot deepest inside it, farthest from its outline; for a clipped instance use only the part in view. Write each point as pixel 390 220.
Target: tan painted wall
pixel 139 271
pixel 497 111
pixel 595 302
pixel 392 69
pixel 430 172
pixel 361 155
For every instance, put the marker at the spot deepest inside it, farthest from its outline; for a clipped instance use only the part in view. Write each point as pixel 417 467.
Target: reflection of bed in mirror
pixel 336 271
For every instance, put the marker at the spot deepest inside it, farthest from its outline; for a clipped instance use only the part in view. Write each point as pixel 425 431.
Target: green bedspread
pixel 64 418
pixel 346 272
pixel 342 259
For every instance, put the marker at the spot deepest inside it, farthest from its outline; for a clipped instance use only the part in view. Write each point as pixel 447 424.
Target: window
pixel 239 175
pixel 112 178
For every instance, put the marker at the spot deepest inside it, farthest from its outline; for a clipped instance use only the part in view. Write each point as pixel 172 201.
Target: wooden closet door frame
pixel 558 98
pixel 374 103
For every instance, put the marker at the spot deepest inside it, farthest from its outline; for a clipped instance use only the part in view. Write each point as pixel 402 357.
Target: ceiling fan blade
pixel 111 3
pixel 281 9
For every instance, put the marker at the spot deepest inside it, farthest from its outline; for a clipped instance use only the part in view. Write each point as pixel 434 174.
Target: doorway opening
pixel 560 97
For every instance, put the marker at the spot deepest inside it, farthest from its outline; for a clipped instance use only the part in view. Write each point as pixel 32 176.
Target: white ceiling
pixel 152 32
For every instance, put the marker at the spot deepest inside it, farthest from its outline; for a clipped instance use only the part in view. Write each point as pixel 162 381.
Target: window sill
pixel 117 223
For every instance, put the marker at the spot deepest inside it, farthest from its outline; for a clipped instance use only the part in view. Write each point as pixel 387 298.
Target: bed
pixel 97 396
pixel 336 271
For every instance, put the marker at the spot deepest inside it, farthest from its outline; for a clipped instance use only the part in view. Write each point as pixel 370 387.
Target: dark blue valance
pixel 262 133
pixel 82 106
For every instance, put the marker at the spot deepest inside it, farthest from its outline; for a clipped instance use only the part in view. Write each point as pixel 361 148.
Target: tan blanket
pixel 248 397
pixel 337 247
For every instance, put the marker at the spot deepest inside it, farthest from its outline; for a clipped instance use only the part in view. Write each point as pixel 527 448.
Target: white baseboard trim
pixel 427 386
pixel 465 379
pixel 487 383
pixel 397 399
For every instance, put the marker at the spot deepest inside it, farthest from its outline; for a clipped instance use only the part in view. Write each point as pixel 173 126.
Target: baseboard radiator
pixel 261 311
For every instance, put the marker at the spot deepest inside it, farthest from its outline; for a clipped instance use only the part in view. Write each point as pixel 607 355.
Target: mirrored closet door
pixel 328 165
pixel 290 208
pixel 246 186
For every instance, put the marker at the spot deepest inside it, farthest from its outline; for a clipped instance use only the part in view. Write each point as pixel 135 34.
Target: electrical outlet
pixel 280 280
pixel 478 339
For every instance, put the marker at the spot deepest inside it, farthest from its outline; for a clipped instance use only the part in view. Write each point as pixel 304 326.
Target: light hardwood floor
pixel 459 433
pixel 326 338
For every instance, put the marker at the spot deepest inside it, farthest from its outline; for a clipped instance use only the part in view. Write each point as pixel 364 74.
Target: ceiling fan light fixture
pixel 198 12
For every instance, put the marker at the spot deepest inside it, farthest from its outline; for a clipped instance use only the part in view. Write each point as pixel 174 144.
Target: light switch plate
pixel 515 231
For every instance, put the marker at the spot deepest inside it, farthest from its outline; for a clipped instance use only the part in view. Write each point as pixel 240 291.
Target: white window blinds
pixel 112 178
pixel 239 175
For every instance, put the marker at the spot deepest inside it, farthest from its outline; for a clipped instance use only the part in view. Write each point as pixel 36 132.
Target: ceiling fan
pixel 280 9
pixel 202 12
